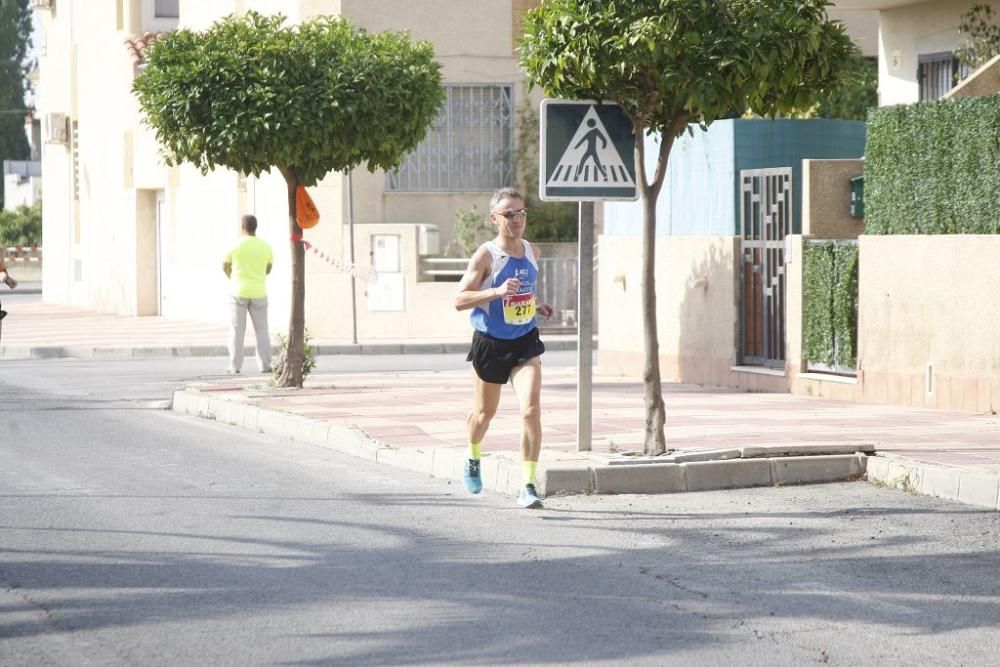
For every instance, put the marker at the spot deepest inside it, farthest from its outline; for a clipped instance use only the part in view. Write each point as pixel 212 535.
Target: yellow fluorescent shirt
pixel 249 260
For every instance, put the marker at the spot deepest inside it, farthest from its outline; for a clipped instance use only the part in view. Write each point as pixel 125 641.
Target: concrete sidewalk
pixel 722 438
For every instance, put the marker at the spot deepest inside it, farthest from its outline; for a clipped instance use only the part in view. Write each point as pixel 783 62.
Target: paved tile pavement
pixel 428 409
pixel 420 409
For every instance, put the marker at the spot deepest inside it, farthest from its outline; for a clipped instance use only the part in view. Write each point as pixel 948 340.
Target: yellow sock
pixel 474 449
pixel 528 470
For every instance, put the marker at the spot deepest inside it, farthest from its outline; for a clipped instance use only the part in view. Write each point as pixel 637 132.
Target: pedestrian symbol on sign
pixel 584 164
pixel 588 152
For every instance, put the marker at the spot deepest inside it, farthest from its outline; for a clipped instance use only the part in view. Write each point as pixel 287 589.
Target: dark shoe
pixel 3 314
pixel 529 498
pixel 473 481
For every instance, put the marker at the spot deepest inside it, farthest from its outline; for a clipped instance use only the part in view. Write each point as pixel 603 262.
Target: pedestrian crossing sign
pixel 587 152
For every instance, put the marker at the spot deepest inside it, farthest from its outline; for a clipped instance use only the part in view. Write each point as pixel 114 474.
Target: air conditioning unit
pixel 56 128
pixel 428 240
pixel 42 4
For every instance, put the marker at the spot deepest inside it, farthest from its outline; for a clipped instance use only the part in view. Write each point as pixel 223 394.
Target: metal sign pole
pixel 350 231
pixel 586 154
pixel 585 328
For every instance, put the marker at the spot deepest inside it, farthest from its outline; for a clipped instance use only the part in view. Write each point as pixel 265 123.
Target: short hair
pixel 504 193
pixel 249 223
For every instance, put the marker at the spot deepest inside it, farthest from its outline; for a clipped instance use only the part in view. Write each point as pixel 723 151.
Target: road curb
pixel 972 488
pixel 153 352
pixel 501 472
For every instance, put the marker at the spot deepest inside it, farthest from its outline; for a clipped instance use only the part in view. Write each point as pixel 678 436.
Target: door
pixel 765 220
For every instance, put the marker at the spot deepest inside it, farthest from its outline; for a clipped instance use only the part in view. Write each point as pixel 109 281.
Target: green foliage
pixel 15 37
pixel 22 226
pixel 252 93
pixel 934 168
pixel 548 222
pixel 661 59
pixel 855 95
pixel 980 36
pixel 279 357
pixel 669 63
pixel 472 229
pixel 830 303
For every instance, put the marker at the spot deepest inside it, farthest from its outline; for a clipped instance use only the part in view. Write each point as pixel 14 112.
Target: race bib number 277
pixel 519 308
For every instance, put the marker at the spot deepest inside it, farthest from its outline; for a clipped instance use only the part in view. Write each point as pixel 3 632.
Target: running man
pixel 499 286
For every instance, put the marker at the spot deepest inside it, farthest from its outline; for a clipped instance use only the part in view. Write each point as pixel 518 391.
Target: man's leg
pixel 258 316
pixel 527 381
pixel 237 329
pixel 486 398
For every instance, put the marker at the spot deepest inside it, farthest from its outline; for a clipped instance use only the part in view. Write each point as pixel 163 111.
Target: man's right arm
pixel 469 296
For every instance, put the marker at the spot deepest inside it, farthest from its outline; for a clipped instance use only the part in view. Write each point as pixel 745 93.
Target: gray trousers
pixel 238 309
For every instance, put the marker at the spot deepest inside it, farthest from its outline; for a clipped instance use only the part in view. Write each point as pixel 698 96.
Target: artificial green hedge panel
pixel 830 303
pixel 934 168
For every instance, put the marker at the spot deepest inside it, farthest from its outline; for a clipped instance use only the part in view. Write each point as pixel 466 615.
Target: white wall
pixel 910 31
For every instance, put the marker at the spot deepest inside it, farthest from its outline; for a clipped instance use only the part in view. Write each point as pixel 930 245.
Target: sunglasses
pixel 510 215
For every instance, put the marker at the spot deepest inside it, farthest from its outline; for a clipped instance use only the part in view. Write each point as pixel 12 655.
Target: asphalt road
pixel 132 536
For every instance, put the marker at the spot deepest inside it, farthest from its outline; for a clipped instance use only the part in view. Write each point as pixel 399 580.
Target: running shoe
pixel 471 477
pixel 529 498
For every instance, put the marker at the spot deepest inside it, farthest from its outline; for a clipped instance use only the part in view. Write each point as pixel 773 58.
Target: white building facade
pixel 126 234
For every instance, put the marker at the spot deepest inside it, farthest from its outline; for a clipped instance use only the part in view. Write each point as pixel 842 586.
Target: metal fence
pixel 558 280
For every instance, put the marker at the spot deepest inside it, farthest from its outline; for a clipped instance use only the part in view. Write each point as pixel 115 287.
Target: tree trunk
pixel 291 374
pixel 654 440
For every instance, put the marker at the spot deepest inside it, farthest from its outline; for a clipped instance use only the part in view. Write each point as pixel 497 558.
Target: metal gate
pixel 765 220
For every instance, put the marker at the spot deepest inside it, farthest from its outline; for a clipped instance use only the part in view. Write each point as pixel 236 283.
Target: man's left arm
pixel 543 309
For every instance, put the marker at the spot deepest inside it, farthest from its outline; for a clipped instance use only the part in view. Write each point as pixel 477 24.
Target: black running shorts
pixel 494 358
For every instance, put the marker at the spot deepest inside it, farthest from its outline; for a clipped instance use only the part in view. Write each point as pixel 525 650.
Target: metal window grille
pixel 167 9
pixel 937 73
pixel 469 148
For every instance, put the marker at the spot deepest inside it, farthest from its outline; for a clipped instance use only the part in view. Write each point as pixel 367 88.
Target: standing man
pixel 247 266
pixel 499 286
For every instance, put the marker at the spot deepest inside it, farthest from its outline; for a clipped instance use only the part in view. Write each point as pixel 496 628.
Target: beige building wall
pixel 928 321
pixel 695 308
pixel 474 43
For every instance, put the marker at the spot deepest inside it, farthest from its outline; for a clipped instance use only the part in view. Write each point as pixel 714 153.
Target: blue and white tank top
pixel 513 316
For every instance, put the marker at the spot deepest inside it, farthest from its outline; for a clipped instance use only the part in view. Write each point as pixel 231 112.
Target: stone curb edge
pixel 503 475
pixel 964 486
pixel 106 353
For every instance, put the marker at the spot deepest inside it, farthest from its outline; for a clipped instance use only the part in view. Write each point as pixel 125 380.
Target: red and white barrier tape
pixel 35 253
pixel 366 273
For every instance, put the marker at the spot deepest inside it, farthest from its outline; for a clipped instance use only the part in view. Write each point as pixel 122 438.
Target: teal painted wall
pixel 762 144
pixel 699 196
